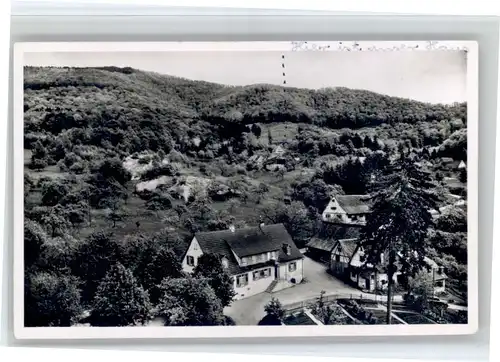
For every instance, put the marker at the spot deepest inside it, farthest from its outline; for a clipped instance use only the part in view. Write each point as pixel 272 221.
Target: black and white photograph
pixel 239 189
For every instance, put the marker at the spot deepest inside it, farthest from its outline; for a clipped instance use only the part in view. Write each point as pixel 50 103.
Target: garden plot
pixel 413 318
pixel 298 319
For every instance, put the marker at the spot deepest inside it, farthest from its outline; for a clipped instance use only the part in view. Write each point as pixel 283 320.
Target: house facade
pixel 347 209
pixel 260 259
pixel 346 262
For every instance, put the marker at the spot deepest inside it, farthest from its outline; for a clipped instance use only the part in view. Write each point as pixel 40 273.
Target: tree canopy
pixel 210 266
pixel 189 302
pixel 52 300
pixel 120 300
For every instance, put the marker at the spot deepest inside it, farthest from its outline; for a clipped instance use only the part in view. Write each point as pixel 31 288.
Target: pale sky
pixel 429 76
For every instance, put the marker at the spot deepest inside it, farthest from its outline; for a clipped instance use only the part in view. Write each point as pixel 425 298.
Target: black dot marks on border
pixel 283 66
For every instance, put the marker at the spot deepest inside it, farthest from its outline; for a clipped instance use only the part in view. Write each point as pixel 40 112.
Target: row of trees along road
pixel 396 231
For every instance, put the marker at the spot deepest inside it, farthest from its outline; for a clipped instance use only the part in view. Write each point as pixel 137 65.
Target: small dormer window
pixel 287 249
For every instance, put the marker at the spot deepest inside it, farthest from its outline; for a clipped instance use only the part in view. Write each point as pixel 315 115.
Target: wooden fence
pixel 292 307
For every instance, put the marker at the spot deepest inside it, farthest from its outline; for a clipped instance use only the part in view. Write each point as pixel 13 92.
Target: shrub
pixel 158 201
pixel 161 170
pixel 275 309
pixel 38 164
pixel 120 300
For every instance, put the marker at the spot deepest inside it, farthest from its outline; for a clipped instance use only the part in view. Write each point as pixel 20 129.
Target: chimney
pixel 232 228
pixel 287 249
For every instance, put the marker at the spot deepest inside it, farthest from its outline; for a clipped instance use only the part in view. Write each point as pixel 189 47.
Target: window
pixel 292 267
pixel 337 258
pixel 190 260
pixel 241 280
pixel 244 261
pixel 328 216
pixel 439 283
pixel 261 274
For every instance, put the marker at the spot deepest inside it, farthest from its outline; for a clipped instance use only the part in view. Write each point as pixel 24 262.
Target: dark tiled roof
pixel 348 246
pixel 321 244
pixel 354 204
pixel 248 241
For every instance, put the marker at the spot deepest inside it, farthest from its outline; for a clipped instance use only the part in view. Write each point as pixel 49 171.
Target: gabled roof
pixel 354 204
pixel 279 150
pixel 348 247
pixel 435 269
pixel 322 244
pixel 248 241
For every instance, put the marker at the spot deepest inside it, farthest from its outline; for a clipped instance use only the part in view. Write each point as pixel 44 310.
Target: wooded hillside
pixel 120 160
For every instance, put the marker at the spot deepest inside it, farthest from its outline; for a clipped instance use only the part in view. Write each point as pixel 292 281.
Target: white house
pixel 346 261
pixel 262 258
pixel 347 209
pixel 278 151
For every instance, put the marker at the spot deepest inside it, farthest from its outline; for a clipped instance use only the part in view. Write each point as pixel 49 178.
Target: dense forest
pixel 123 166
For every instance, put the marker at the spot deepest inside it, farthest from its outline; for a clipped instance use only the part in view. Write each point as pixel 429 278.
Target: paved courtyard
pixel 249 311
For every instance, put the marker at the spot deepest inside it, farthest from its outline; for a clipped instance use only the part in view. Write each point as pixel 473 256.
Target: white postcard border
pixel 210 332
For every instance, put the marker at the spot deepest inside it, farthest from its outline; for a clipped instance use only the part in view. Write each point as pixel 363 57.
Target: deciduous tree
pixel 155 262
pixel 120 300
pixel 53 192
pixel 210 267
pixel 51 300
pixel 92 261
pixel 34 239
pixel 189 302
pixel 421 289
pixel 274 313
pixel 297 219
